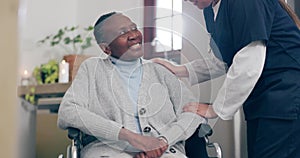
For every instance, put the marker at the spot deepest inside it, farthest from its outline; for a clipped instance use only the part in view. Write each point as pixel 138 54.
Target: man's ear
pixel 105 47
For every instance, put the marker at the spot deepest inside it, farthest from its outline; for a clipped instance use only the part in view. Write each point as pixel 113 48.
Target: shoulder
pixel 92 64
pixel 159 73
pixel 94 61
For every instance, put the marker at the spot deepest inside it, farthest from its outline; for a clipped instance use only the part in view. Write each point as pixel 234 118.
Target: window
pixel 168 25
pixel 163 32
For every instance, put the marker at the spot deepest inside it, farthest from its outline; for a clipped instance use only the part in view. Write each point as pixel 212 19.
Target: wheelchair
pixel 204 131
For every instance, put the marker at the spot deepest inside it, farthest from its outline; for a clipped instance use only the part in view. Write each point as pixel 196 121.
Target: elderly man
pixel 132 106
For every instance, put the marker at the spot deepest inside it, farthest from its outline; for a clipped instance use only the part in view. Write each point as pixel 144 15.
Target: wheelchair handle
pixel 204 130
pixel 73 133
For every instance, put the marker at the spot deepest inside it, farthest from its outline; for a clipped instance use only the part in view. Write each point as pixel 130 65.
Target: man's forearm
pixel 126 135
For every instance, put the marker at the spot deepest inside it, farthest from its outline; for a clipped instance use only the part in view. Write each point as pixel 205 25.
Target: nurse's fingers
pixel 204 110
pixel 191 107
pixel 140 155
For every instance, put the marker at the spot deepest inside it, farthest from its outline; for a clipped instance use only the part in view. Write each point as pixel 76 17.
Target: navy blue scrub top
pixel 240 22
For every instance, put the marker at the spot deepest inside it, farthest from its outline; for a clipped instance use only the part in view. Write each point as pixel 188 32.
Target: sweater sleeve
pixel 74 112
pixel 186 122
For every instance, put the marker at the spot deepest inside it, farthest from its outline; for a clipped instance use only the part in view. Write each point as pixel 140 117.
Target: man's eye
pixel 134 28
pixel 122 32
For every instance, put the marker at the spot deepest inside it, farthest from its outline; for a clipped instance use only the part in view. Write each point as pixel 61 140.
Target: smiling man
pixel 119 37
pixel 132 106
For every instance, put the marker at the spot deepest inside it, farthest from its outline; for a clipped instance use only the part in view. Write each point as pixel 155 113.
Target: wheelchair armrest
pixel 204 130
pixel 79 138
pixel 73 133
pixel 213 149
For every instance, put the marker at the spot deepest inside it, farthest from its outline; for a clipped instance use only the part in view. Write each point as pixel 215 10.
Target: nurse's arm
pixel 197 71
pixel 178 70
pixel 240 79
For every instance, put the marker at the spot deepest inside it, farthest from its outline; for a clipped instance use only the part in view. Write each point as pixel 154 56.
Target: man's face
pixel 201 4
pixel 125 40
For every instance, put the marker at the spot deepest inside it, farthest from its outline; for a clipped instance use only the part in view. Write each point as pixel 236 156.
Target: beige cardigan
pixel 98 105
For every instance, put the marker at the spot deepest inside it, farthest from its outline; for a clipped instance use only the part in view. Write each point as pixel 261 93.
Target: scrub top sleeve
pixel 250 20
pixel 240 79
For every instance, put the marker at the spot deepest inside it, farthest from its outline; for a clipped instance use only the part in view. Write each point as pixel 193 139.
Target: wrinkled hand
pixel 204 110
pixel 156 153
pixel 152 147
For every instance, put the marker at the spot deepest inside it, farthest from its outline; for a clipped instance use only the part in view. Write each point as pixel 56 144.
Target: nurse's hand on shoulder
pixel 204 110
pixel 178 70
pixel 141 155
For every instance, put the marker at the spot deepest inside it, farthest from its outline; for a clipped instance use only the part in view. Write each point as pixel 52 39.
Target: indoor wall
pixel 8 81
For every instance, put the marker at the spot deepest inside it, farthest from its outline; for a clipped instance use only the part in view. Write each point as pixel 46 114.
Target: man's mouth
pixel 136 46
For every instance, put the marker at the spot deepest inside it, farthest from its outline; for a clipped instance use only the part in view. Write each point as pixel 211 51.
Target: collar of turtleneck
pixel 129 70
pixel 129 65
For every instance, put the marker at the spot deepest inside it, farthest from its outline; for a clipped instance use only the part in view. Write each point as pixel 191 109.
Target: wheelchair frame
pixel 73 150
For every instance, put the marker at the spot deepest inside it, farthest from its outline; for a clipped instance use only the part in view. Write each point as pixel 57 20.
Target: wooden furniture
pixel 47 96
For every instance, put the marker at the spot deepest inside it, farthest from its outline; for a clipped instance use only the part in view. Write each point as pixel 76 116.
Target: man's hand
pixel 152 147
pixel 201 109
pixel 153 153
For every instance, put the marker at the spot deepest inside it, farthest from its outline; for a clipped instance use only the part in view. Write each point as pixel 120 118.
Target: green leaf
pixel 30 97
pixel 67 40
pixel 89 28
pixel 73 28
pixel 77 39
pixel 88 43
pixel 32 90
pixel 27 97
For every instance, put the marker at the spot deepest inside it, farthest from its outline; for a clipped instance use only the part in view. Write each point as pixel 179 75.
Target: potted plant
pixel 74 40
pixel 46 73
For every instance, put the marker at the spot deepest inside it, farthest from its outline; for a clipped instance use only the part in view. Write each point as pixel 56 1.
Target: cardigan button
pixel 147 129
pixel 172 150
pixel 142 111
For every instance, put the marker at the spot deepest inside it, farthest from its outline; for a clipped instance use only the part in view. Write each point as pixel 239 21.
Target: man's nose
pixel 132 35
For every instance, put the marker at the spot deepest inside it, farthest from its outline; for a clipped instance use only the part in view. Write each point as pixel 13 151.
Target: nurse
pixel 259 41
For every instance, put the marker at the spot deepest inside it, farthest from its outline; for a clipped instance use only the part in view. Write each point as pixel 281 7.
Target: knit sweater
pixel 98 105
